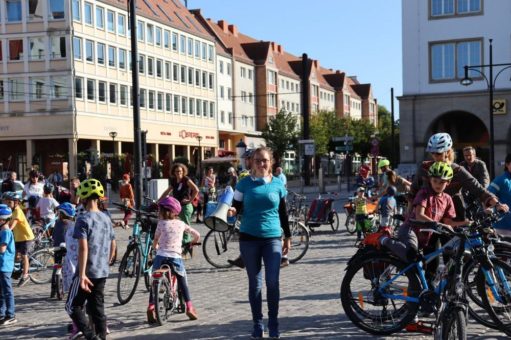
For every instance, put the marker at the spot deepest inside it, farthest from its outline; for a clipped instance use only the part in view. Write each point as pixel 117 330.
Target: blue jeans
pixel 270 251
pixel 6 295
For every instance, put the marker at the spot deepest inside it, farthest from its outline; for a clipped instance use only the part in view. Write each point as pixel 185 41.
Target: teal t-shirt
pixel 261 206
pixel 7 258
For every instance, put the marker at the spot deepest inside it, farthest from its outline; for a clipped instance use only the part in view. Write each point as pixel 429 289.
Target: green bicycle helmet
pixel 90 187
pixel 382 163
pixel 441 170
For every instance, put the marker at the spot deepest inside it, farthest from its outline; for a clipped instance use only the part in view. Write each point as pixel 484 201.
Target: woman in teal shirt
pixel 261 199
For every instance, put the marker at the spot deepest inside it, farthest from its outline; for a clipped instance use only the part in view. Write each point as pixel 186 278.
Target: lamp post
pixel 113 134
pixel 490 82
pixel 241 147
pixel 199 138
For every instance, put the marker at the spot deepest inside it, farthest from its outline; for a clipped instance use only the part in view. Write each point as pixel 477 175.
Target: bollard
pixel 321 180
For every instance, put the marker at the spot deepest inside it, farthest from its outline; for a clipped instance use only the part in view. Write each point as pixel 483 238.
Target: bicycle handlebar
pixel 138 212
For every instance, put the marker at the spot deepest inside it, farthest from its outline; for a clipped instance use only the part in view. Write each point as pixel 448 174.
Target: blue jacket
pixel 501 187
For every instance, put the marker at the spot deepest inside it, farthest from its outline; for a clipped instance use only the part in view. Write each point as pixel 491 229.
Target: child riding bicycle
pixel 168 244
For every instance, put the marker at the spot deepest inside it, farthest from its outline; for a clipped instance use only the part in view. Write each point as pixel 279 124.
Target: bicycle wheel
pixel 365 305
pixel 148 267
pixel 299 241
pixel 334 221
pixel 350 223
pixel 129 274
pixel 454 325
pixel 218 247
pixel 499 308
pixel 41 266
pixel 162 300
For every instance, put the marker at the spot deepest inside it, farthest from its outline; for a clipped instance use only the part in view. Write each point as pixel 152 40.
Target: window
pixel 100 53
pixel 150 66
pixel 222 116
pixel 176 103
pixel 205 79
pixel 191 106
pixel 77 48
pixel 182 44
pixel 190 76
pixel 211 81
pixel 454 7
pixel 197 77
pixel 243 96
pixel 16 89
pixel 175 72
pixel 16 49
pixel 199 107
pixel 121 24
pixel 272 100
pixel 221 66
pixel 87 10
pixel 123 95
pixel 190 47
pixel 228 68
pixel 122 59
pixel 197 49
pixel 110 21
pixel 230 118
pixel 243 72
pixel 151 100
pixel 38 88
pixel 140 31
pixel 142 98
pixel 56 9
pixel 76 9
pixel 168 102
pixel 13 8
pixel 159 65
pixel 35 10
pixel 204 51
pixel 36 48
pixel 174 41
pixel 159 101
pixel 59 87
pixel 184 104
pixel 250 97
pixel 100 20
pixel 167 70
pixel 150 34
pixel 448 59
pixel 211 110
pixel 89 50
pixel 102 91
pixel 183 74
pixel 91 89
pixel 157 37
pixel 222 92
pixel 229 93
pixel 166 39
pixel 57 47
pixel 78 87
pixel 111 56
pixel 272 77
pixel 211 52
pixel 205 108
pixel 250 74
pixel 141 63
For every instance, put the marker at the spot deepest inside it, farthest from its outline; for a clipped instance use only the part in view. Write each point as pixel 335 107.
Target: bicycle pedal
pixel 419 327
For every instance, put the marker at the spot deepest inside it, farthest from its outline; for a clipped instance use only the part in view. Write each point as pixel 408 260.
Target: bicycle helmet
pixel 5 212
pixel 171 204
pixel 391 190
pixel 48 188
pixel 439 142
pixel 441 170
pixel 90 187
pixel 361 189
pixel 383 162
pixel 67 209
pixel 12 196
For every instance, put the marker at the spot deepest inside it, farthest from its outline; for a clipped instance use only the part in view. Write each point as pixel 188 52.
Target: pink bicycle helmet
pixel 171 204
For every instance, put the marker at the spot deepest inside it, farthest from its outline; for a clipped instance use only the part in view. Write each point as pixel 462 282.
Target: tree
pixel 281 132
pixel 385 134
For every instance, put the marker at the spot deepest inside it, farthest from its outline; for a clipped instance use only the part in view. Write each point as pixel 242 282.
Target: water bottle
pixel 440 273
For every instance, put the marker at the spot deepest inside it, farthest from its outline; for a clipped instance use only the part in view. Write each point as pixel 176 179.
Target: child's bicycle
pixel 57 286
pixel 42 234
pixel 166 294
pixel 40 266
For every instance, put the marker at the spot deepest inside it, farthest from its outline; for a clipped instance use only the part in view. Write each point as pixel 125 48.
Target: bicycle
pixel 166 294
pixel 137 259
pixel 57 285
pixel 392 281
pixel 42 234
pixel 297 207
pixel 40 266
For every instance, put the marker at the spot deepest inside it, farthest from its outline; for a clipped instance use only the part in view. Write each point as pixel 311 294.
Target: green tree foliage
pixel 385 134
pixel 280 133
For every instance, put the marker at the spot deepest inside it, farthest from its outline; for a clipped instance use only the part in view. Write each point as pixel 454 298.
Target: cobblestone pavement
pixel 310 307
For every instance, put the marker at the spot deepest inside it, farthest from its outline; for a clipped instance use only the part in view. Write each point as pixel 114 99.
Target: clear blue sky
pixel 360 37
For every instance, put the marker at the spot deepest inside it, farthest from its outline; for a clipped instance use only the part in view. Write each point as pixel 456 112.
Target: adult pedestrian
pixel 33 187
pixel 127 198
pixel 401 184
pixel 208 188
pixel 8 183
pixel 475 166
pixel 279 173
pixel 183 189
pixel 501 187
pixel 232 177
pixel 261 199
pixel 73 187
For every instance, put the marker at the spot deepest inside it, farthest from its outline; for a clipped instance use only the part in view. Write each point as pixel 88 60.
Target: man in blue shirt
pixel 501 187
pixel 7 251
pixel 280 175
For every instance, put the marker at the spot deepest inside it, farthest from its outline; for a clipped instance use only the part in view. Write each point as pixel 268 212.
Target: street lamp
pixel 490 82
pixel 199 138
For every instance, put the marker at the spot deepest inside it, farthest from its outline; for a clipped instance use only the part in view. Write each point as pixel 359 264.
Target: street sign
pixel 309 150
pixel 306 141
pixel 344 148
pixel 342 139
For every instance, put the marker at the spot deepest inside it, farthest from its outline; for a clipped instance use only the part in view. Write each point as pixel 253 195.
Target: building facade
pixel 440 37
pixel 66 82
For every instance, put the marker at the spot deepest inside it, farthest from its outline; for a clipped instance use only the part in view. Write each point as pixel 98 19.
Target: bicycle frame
pixel 143 244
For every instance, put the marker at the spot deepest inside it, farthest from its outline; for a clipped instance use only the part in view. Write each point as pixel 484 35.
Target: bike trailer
pixel 319 210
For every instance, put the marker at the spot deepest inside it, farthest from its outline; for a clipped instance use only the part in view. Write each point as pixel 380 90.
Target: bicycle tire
pixel 218 247
pixel 148 265
pixel 299 241
pixel 501 315
pixel 334 221
pixel 162 299
pixel 41 266
pixel 350 223
pixel 128 269
pixel 375 263
pixel 454 325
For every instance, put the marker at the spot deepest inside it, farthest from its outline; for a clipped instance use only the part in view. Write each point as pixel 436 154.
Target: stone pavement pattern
pixel 310 307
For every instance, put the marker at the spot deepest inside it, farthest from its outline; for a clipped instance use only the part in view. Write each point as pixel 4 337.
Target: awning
pixel 229 159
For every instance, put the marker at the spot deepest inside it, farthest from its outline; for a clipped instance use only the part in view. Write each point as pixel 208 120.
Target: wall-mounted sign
pixel 499 107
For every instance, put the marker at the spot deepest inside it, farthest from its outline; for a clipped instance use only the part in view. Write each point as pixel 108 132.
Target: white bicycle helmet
pixel 439 142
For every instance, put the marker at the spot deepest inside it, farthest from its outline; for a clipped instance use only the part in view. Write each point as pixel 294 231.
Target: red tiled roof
pixel 363 90
pixel 168 12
